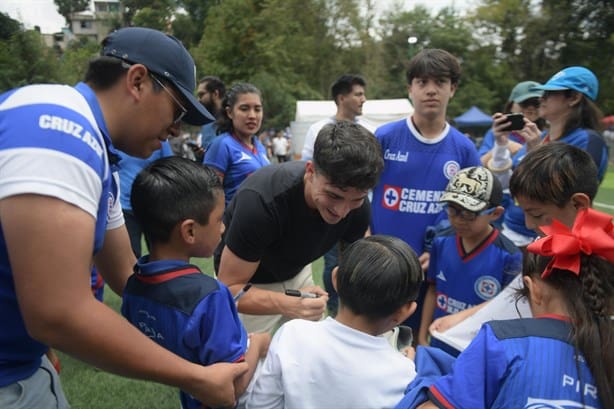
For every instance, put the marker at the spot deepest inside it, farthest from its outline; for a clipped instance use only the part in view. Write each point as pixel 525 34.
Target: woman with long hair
pixel 237 152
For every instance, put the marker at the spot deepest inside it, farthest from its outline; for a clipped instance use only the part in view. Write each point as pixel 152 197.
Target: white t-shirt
pixel 314 129
pixel 326 364
pixel 280 146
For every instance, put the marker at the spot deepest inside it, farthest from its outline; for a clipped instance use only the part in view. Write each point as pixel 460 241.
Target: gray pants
pixel 42 390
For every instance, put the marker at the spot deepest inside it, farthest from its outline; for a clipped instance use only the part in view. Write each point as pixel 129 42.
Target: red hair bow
pixel 592 233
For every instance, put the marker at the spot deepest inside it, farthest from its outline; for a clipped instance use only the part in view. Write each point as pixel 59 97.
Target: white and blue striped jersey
pixel 53 142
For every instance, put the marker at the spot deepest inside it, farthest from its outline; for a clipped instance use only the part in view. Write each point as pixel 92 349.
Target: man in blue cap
pixel 59 211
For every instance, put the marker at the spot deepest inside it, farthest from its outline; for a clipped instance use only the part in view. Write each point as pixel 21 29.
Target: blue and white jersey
pixel 463 279
pixel 235 160
pixel 186 312
pixel 416 172
pixel 53 142
pixel 523 363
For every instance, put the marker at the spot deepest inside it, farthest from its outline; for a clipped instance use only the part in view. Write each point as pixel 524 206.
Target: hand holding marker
pixel 302 294
pixel 242 292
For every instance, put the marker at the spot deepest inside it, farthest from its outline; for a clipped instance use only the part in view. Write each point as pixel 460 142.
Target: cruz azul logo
pixel 400 199
pixel 392 197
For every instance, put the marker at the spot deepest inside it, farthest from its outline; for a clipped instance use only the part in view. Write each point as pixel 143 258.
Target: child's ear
pixel 535 290
pixel 186 230
pixel 581 201
pixel 334 277
pixel 498 212
pixel 404 312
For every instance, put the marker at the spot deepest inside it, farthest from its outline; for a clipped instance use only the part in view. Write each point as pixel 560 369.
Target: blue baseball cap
pixel 163 55
pixel 577 78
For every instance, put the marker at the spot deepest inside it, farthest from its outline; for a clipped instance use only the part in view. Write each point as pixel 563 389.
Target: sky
pixel 43 13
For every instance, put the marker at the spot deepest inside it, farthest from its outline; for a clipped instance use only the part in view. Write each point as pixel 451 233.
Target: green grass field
pixel 605 197
pixel 89 388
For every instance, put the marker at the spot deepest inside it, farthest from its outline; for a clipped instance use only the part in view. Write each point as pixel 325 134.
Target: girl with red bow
pixel 564 356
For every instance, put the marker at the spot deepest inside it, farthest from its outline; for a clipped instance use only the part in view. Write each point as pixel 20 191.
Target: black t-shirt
pixel 268 220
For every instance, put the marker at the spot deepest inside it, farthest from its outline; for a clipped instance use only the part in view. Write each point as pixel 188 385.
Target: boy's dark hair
pixel 348 155
pixel 434 63
pixel 377 275
pixel 553 173
pixel 344 84
pixel 589 299
pixel 171 190
pixel 224 123
pixel 213 83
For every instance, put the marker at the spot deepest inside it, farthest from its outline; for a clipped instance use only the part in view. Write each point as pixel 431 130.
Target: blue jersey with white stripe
pixel 186 312
pixel 523 363
pixel 464 279
pixel 235 160
pixel 416 172
pixel 53 142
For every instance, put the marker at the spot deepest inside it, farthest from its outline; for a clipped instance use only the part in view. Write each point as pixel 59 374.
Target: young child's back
pixel 378 280
pixel 180 204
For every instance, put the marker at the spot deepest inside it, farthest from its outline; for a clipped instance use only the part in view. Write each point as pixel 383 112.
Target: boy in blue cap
pixel 474 262
pixel 59 208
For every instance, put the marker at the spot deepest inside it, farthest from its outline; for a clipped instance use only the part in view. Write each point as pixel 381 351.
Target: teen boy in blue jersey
pixel 59 207
pixel 421 154
pixel 474 261
pixel 180 204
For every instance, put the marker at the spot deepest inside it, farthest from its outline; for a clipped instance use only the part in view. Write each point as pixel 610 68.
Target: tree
pixel 67 7
pixel 75 58
pixel 8 26
pixel 156 14
pixel 192 28
pixel 25 59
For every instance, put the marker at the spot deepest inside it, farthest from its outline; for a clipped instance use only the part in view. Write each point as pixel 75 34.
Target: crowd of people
pixel 418 228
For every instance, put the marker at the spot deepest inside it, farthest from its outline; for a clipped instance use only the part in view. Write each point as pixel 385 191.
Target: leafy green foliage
pixel 24 59
pixel 294 49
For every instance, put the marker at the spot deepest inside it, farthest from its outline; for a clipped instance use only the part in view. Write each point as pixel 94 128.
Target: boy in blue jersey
pixel 180 204
pixel 421 154
pixel 473 262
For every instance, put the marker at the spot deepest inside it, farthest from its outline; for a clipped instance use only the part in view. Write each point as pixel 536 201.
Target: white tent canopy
pixel 376 112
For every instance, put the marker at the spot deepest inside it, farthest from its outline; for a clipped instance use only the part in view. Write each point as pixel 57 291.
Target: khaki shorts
pixel 42 390
pixel 270 323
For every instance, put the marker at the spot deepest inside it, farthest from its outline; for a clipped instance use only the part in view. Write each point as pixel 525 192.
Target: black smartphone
pixel 517 122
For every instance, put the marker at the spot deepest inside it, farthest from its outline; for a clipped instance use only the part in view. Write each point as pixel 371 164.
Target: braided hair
pixel 589 299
